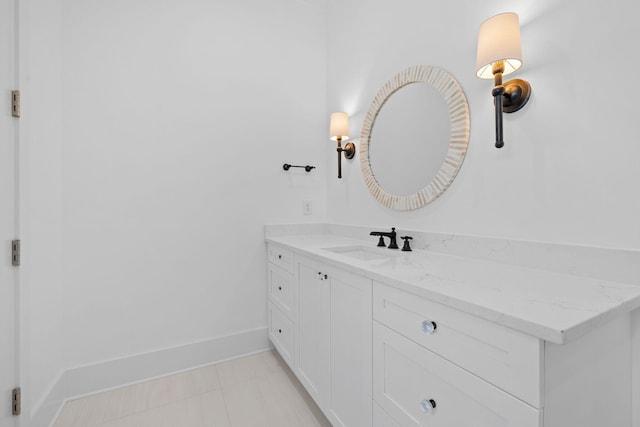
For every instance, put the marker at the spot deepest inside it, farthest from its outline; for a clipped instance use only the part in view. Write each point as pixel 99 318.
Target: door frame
pixel 21 273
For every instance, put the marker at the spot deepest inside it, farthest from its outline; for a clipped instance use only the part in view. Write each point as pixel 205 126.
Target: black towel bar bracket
pixel 287 166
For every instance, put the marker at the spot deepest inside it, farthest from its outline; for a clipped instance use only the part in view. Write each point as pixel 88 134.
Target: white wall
pixel 176 120
pixel 569 169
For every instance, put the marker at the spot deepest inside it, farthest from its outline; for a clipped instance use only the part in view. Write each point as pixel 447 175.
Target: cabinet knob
pixel 427 405
pixel 279 331
pixel 279 288
pixel 428 327
pixel 279 256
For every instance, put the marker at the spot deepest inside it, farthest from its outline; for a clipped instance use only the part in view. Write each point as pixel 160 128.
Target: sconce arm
pixel 349 151
pixel 498 93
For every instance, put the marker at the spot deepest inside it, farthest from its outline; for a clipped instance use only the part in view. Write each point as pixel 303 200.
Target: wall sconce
pixel 499 54
pixel 339 131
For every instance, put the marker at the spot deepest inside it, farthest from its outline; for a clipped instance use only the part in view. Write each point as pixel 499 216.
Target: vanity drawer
pixel 281 257
pixel 281 334
pixel 502 356
pixel 416 387
pixel 281 285
pixel 381 418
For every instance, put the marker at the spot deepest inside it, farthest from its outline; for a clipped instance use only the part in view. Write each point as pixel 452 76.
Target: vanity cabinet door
pixel 312 365
pixel 350 401
pixel 334 355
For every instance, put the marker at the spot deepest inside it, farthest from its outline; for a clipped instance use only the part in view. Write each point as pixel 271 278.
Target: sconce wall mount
pixel 516 95
pixel 499 54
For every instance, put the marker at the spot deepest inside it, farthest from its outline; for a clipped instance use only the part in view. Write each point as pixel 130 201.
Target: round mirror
pixel 414 137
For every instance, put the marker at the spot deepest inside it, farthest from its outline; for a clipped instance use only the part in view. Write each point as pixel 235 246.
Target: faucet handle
pixel 381 241
pixel 406 246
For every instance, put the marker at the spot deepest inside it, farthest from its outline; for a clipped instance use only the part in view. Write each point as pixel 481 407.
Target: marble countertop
pixel 553 306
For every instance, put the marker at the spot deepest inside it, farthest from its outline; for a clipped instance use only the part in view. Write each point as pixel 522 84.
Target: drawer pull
pixel 428 327
pixel 427 405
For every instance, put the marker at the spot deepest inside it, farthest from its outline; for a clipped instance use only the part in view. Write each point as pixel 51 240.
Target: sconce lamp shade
pixel 339 127
pixel 499 40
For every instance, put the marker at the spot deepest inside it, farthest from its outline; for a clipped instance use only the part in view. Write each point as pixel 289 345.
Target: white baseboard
pixel 90 379
pixel 635 366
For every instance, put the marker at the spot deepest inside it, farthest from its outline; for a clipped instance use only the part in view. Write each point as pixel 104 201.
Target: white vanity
pixel 388 338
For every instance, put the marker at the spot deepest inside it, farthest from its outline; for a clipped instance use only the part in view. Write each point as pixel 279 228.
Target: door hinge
pixel 16 401
pixel 15 253
pixel 15 103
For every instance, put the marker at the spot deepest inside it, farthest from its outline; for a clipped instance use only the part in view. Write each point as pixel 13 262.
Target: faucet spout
pixel 393 244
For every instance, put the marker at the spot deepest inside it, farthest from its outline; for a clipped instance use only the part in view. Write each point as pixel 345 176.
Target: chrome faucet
pixel 393 244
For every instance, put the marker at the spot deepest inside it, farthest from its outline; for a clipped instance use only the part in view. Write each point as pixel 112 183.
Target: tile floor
pixel 256 390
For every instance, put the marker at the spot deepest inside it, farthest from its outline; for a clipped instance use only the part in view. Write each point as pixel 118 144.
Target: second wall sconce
pixel 500 53
pixel 339 131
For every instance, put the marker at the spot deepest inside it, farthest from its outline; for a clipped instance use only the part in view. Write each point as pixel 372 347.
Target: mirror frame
pixel 460 121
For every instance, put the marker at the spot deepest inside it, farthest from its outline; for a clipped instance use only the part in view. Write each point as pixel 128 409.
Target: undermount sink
pixel 362 253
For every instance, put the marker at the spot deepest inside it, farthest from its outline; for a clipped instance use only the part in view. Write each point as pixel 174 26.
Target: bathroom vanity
pixel 384 338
